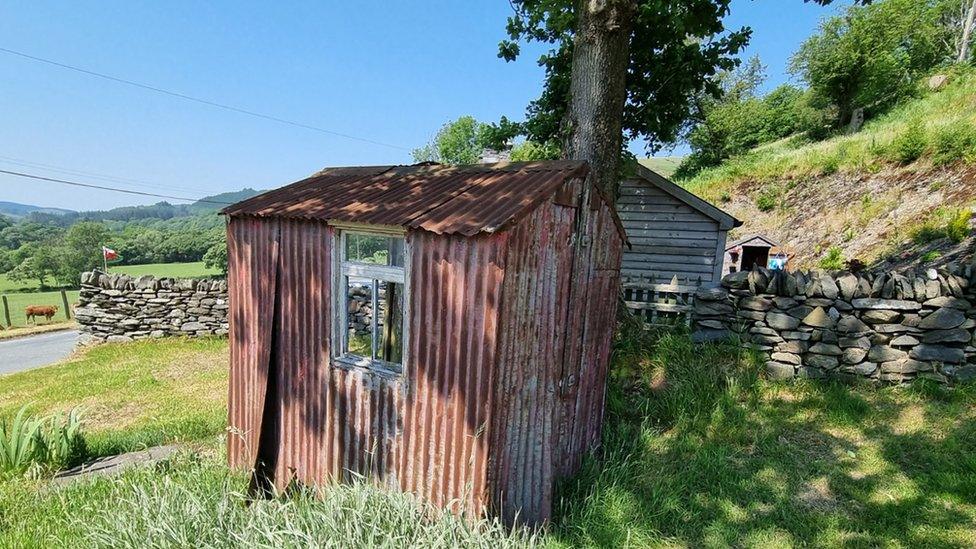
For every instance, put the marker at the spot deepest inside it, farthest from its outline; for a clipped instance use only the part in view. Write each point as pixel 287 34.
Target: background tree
pixel 620 70
pixel 871 57
pixel 459 142
pixel 216 257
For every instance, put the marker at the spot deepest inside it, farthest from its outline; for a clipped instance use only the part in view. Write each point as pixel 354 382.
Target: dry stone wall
pixel 887 327
pixel 117 307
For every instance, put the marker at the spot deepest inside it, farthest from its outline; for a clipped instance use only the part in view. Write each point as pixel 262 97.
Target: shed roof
pixel 464 200
pixel 768 241
pixel 724 220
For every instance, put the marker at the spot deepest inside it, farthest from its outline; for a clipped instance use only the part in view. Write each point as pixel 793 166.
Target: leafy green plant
pixel 833 260
pixel 954 142
pixel 19 442
pixel 931 255
pixel 52 442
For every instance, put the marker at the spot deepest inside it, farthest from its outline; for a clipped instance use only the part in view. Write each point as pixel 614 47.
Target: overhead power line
pixel 199 100
pixel 104 188
pixel 105 177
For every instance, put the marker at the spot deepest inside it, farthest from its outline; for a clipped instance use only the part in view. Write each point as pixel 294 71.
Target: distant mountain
pixel 206 203
pixel 15 210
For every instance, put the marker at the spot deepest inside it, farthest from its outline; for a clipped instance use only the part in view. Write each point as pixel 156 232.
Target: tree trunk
pixel 598 87
pixel 967 30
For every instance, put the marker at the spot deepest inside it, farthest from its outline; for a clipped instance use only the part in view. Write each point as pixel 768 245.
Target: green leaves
pixel 53 441
pixel 676 47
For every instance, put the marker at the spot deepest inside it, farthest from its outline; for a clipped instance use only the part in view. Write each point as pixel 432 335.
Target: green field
pixel 173 270
pixel 19 301
pixel 664 165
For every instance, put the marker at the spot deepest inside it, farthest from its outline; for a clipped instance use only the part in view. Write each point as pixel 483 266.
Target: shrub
pixel 833 260
pixel 767 199
pixel 910 144
pixel 931 255
pixel 954 142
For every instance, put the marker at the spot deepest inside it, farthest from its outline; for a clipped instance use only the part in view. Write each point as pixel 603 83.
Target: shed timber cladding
pixel 672 232
pixel 512 306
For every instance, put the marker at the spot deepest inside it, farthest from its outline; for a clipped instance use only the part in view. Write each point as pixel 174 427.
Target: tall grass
pixel 198 502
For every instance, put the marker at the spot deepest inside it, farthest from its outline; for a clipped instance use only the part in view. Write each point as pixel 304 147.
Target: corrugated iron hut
pixel 443 330
pixel 673 233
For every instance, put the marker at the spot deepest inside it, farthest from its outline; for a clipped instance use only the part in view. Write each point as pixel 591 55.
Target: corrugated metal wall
pixel 560 300
pixel 252 254
pixel 505 372
pixel 456 293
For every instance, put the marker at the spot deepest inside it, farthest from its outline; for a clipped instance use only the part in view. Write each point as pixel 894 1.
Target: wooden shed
pixel 672 232
pixel 442 330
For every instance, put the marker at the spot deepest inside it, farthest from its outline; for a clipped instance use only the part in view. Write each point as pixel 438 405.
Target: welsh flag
pixel 109 254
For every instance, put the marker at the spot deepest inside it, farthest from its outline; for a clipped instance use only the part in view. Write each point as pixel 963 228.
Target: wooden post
pixel 6 312
pixel 67 309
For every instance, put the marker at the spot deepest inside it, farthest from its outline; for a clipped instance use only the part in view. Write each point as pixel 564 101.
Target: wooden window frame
pixel 342 269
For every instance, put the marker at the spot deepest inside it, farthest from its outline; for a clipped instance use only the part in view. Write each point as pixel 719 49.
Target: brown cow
pixel 35 311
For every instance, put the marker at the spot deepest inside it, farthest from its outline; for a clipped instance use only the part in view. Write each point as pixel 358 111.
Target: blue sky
pixel 392 73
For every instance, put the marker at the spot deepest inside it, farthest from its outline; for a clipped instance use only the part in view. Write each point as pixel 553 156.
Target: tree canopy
pixel 676 49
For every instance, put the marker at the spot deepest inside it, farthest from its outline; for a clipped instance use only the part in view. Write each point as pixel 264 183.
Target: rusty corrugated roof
pixel 464 200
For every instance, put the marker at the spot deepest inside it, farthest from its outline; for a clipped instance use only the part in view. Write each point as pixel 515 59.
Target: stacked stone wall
pixel 117 307
pixel 886 327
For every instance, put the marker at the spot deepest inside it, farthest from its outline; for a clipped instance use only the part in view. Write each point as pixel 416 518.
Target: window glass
pixel 390 333
pixel 359 317
pixel 374 249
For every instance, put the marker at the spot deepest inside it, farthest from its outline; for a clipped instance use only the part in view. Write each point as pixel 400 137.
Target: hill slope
pixel 898 192
pixel 15 209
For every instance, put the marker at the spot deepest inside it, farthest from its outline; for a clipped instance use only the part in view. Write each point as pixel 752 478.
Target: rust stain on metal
pixel 503 386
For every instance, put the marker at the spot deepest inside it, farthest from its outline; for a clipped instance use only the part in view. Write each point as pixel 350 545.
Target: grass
pixel 171 270
pixel 938 128
pixel 664 165
pixel 698 451
pixel 136 395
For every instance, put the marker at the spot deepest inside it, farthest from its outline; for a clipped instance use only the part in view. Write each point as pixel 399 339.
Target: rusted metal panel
pixel 462 200
pixel 252 252
pixel 456 285
pixel 535 312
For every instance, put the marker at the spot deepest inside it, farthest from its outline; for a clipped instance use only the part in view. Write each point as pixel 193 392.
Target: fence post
pixel 6 312
pixel 67 309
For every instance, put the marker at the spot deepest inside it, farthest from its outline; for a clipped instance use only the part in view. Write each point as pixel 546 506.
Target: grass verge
pixel 133 395
pixel 35 330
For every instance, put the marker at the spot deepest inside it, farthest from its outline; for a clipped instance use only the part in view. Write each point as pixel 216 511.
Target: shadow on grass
pixel 698 451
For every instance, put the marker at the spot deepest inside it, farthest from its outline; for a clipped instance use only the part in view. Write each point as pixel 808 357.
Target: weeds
pixel 833 260
pixel 948 223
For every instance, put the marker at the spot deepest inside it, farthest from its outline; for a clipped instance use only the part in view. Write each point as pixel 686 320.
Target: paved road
pixel 30 352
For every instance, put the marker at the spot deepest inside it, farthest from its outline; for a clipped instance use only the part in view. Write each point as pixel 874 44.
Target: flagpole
pixel 104 260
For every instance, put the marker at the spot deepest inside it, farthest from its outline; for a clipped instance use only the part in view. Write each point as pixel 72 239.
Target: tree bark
pixel 967 30
pixel 594 120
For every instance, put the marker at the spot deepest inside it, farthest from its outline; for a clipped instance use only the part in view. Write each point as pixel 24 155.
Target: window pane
pixel 374 249
pixel 359 314
pixel 390 325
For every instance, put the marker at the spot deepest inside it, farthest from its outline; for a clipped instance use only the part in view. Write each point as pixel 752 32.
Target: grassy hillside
pixel 900 188
pixel 664 165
